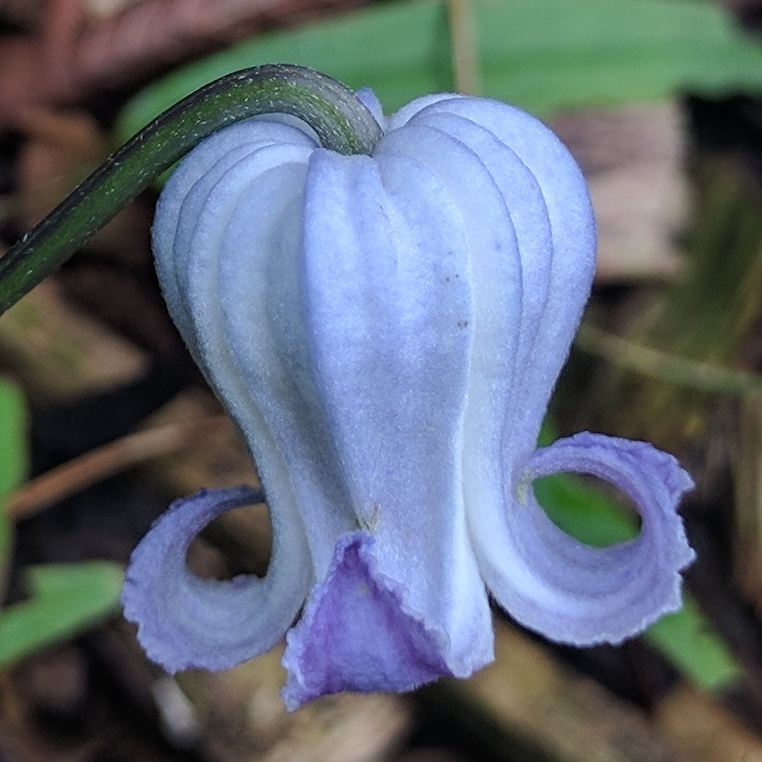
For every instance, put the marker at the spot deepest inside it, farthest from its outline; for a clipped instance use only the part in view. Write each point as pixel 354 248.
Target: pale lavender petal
pixel 386 332
pixel 258 267
pixel 526 208
pixel 510 247
pixel 409 110
pixel 356 633
pixel 184 621
pixel 573 593
pixel 371 102
pixel 208 245
pixel 386 297
pixel 190 228
pixel 572 267
pixel 239 138
pixel 515 356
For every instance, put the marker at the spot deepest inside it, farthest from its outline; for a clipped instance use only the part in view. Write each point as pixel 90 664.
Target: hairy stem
pixel 338 118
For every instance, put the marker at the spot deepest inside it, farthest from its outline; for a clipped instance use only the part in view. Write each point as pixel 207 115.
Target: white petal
pixel 573 256
pixel 388 304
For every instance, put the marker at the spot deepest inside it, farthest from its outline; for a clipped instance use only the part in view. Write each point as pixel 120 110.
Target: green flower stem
pixel 340 120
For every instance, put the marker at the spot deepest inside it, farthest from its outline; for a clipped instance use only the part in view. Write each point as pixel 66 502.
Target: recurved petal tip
pixel 185 621
pixel 577 594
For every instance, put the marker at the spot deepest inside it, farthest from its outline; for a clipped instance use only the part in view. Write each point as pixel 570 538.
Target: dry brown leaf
pixel 747 517
pixel 158 33
pixel 632 158
pixel 530 702
pixel 57 353
pixel 29 14
pixel 61 148
pixel 706 731
pixel 243 718
pixel 127 452
pixel 103 9
pixel 24 13
pixel 72 56
pixel 38 69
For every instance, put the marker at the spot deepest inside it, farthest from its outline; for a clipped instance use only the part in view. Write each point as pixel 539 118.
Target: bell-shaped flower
pixel 386 332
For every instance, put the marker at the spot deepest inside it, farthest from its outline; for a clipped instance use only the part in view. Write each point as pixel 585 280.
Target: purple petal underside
pixel 355 634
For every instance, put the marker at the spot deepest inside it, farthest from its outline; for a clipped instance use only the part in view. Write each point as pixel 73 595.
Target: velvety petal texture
pixel 185 621
pixel 386 332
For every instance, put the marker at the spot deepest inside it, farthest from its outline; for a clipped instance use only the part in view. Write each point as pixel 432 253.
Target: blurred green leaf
pixel 13 460
pixel 686 639
pixel 542 56
pixel 13 421
pixel 584 511
pixel 65 600
pixel 694 648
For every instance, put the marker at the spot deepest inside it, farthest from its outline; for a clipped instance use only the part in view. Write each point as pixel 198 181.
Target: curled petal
pixel 356 633
pixel 223 239
pixel 577 594
pixel 184 621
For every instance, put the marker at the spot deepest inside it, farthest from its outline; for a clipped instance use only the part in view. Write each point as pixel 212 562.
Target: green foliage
pixel 65 599
pixel 13 462
pixel 584 511
pixel 542 56
pixel 694 648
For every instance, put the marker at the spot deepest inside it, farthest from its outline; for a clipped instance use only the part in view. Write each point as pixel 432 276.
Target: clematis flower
pixel 386 332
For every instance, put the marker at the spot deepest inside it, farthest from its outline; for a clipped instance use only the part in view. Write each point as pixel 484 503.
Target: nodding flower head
pixel 386 332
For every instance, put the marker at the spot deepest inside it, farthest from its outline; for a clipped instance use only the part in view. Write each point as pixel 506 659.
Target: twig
pixel 674 369
pixel 464 46
pixel 102 462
